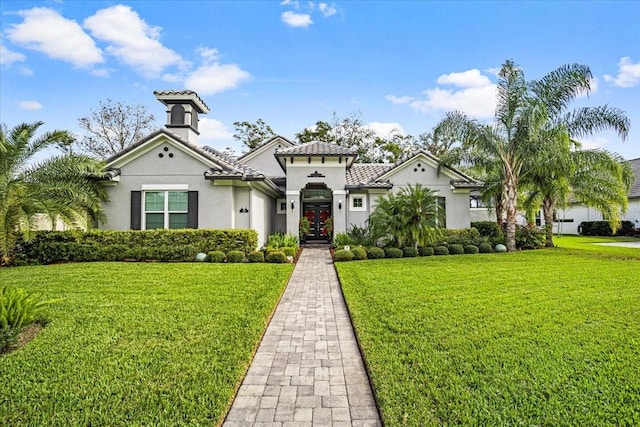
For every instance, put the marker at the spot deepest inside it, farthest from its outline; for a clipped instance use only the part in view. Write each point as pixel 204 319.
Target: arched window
pixel 177 115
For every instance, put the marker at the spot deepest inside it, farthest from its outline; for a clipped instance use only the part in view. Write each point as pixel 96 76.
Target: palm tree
pixel 408 218
pixel 61 187
pixel 529 128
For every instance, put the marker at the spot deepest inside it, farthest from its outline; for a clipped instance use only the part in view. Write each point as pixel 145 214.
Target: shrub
pixel 360 236
pixel 602 228
pixel 289 251
pixel 18 309
pixel 426 251
pixel 279 241
pixel 392 252
pixel 375 252
pixel 456 249
pixel 342 255
pixel 471 249
pixel 341 240
pixel 276 257
pixel 409 252
pixel 462 236
pixel 359 253
pixel 488 229
pixel 235 256
pixel 529 237
pixel 255 256
pixel 441 250
pixel 485 248
pixel 217 256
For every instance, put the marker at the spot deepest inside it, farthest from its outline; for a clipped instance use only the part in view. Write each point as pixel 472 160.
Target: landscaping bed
pixel 137 343
pixel 547 337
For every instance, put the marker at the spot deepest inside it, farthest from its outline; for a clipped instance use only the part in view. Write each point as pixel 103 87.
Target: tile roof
pixel 316 148
pixel 232 168
pixel 635 188
pixel 184 94
pixel 365 175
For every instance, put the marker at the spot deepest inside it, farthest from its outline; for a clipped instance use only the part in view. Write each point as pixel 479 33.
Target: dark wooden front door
pixel 317 214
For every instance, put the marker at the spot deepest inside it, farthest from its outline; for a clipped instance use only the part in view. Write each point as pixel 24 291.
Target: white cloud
pixel 208 54
pixel 386 129
pixel 469 78
pixel 214 78
pixel 294 19
pixel 212 129
pixel 29 105
pixel 133 41
pixel 628 74
pixel 327 10
pixel 474 95
pixel 293 3
pixel 593 143
pixel 46 31
pixel 8 57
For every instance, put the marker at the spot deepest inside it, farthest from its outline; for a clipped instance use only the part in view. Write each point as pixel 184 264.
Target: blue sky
pixel 400 64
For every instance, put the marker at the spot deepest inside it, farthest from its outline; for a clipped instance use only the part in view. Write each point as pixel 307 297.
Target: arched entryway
pixel 317 200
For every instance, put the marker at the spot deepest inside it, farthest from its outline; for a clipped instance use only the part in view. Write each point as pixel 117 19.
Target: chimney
pixel 183 107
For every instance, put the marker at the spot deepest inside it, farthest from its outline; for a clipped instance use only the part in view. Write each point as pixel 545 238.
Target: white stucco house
pixel 168 180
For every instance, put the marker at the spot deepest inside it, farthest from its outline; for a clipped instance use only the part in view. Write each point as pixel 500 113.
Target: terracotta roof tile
pixel 316 148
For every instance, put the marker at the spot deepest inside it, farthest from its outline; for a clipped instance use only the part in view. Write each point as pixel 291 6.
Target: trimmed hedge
pixel 255 256
pixel 342 255
pixel 602 228
pixel 276 257
pixel 47 247
pixel 456 249
pixel 426 251
pixel 488 229
pixel 471 249
pixel 393 253
pixel 461 236
pixel 485 248
pixel 375 253
pixel 409 252
pixel 441 250
pixel 235 256
pixel 217 256
pixel 359 253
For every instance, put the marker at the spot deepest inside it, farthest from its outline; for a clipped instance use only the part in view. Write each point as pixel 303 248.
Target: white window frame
pixel 353 198
pixel 165 212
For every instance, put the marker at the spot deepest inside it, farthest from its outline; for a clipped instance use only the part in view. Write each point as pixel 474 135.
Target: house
pixel 167 180
pixel 570 218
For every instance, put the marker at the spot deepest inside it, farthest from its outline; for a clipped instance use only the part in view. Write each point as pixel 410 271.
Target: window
pixel 177 115
pixel 281 206
pixel 441 212
pixel 358 202
pixel 166 209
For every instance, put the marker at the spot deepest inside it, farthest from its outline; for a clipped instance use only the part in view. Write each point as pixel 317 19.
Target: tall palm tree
pixel 529 128
pixel 408 218
pixel 59 187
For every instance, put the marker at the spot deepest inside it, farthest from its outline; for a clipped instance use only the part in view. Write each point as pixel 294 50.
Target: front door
pixel 317 214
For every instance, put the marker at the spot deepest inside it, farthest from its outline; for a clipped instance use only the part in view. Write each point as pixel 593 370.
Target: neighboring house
pixel 570 218
pixel 167 180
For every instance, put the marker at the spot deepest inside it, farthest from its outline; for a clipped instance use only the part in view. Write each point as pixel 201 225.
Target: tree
pixel 252 135
pixel 321 131
pixel 113 126
pixel 408 218
pixel 61 187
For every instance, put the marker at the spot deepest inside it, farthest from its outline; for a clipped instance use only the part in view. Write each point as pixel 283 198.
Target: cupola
pixel 183 107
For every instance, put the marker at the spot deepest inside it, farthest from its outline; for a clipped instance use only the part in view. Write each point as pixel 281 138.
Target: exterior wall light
pixel 340 204
pixel 292 204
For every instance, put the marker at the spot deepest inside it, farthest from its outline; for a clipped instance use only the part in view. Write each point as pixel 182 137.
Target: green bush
pixel 426 251
pixel 471 249
pixel 409 252
pixel 289 251
pixel 462 236
pixel 375 252
pixel 602 228
pixel 360 236
pixel 279 241
pixel 342 255
pixel 276 257
pixel 47 247
pixel 529 237
pixel 488 229
pixel 341 240
pixel 217 256
pixel 485 248
pixel 235 256
pixel 255 256
pixel 392 252
pixel 441 250
pixel 18 309
pixel 456 249
pixel 359 253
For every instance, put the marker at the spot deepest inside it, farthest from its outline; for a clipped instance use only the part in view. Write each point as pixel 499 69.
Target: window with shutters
pixel 166 209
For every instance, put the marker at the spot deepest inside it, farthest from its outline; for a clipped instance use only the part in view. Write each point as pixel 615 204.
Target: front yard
pixel 137 343
pixel 547 337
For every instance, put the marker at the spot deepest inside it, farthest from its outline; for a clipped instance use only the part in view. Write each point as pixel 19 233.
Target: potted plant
pixel 328 227
pixel 304 227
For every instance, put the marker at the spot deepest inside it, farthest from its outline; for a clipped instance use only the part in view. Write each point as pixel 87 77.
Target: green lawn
pixel 137 344
pixel 547 337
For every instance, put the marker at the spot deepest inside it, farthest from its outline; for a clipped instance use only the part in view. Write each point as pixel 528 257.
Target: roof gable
pixel 457 178
pixel 277 142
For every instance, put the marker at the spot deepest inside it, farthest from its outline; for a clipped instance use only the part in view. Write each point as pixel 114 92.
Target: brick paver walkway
pixel 308 370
